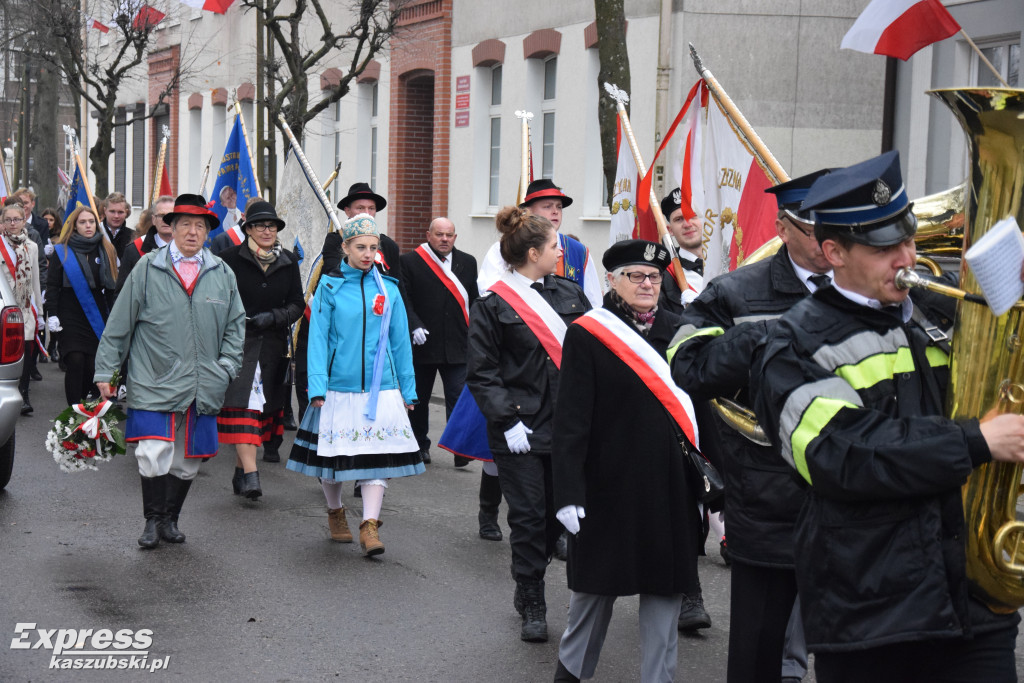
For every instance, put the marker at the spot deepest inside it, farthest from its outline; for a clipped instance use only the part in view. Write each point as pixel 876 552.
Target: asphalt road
pixel 259 592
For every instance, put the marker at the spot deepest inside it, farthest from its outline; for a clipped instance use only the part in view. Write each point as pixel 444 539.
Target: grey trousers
pixel 794 655
pixel 584 635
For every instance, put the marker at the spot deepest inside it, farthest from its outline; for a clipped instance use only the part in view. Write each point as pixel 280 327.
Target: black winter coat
pixel 854 397
pixel 720 330
pixel 278 291
pixel 77 334
pixel 124 237
pixel 131 256
pixel 617 455
pixel 432 306
pixel 509 373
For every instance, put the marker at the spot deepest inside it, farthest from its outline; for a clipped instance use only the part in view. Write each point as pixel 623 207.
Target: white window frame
pixel 547 108
pixel 978 67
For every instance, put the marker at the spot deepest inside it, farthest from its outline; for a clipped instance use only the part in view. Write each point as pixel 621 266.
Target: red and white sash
pixel 537 313
pixel 235 234
pixel 9 258
pixel 627 344
pixel 443 270
pixel 11 261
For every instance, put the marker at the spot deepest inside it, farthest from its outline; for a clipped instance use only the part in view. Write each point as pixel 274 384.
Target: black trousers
pixel 762 600
pixel 987 657
pixel 453 378
pixel 26 369
pixel 78 376
pixel 533 530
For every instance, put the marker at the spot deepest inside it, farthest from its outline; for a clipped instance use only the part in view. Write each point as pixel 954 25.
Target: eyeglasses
pixel 263 227
pixel 798 224
pixel 13 221
pixel 636 277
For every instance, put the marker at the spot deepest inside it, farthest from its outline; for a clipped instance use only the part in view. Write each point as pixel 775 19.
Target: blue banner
pixel 77 196
pixel 235 171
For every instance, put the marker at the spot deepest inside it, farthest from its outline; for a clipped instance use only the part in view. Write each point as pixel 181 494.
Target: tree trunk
pixel 99 154
pixel 45 138
pixel 614 59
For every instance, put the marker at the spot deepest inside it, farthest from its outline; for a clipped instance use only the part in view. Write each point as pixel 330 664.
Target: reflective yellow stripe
pixel 877 368
pixel 704 331
pixel 818 414
pixel 937 358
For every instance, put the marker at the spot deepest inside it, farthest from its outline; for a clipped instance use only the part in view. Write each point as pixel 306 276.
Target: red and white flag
pixel 899 28
pixel 216 6
pixel 147 17
pixel 623 200
pixel 91 22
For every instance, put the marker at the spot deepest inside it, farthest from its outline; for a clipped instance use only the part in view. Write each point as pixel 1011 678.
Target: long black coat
pixel 616 454
pixel 124 237
pixel 279 291
pixel 131 256
pixel 509 372
pixel 432 306
pixel 77 334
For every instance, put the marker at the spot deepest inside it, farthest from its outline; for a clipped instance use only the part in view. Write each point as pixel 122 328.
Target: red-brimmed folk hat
pixel 542 189
pixel 362 191
pixel 192 205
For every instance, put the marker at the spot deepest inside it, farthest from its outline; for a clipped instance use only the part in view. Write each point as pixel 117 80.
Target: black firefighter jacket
pixel 710 358
pixel 430 305
pixel 509 373
pixel 854 398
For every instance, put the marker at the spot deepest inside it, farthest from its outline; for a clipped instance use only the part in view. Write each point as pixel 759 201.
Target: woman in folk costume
pixel 81 285
pixel 271 290
pixel 515 344
pixel 21 268
pixel 622 485
pixel 361 381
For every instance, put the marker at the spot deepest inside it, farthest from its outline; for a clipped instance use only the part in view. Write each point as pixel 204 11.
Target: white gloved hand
pixel 516 438
pixel 570 517
pixel 48 249
pixel 40 323
pixel 53 323
pixel 419 336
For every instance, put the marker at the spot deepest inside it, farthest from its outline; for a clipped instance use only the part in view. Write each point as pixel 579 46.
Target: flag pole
pixel 524 172
pixel 161 157
pixel 206 174
pixel 3 170
pixel 740 123
pixel 315 184
pixel 248 147
pixel 983 58
pixel 621 97
pixel 70 132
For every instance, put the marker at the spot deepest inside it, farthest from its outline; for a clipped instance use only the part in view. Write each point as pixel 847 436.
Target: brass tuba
pixel 987 362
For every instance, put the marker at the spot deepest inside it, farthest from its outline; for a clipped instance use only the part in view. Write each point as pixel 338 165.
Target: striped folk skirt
pixel 254 427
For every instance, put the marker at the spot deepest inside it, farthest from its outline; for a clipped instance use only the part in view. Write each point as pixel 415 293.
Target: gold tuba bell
pixel 987 362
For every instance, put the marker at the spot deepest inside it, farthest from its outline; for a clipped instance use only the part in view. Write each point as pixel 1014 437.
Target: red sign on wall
pixel 462 84
pixel 461 119
pixel 462 100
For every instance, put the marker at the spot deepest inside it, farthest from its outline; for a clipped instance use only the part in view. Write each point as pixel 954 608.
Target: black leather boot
pixel 236 481
pixel 177 490
pixel 535 611
pixel 153 502
pixel 490 499
pixel 251 485
pixel 692 615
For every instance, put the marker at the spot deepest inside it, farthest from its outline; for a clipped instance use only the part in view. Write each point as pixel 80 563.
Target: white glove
pixel 122 393
pixel 40 323
pixel 516 438
pixel 570 517
pixel 48 249
pixel 53 323
pixel 419 336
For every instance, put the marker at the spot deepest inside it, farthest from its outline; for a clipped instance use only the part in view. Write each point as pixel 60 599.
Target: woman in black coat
pixel 513 376
pixel 96 260
pixel 271 291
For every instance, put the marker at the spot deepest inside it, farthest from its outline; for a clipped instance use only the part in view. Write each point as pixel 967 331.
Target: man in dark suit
pixel 442 286
pixel 115 217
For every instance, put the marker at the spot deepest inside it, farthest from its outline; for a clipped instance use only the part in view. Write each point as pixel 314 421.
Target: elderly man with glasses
pixel 710 358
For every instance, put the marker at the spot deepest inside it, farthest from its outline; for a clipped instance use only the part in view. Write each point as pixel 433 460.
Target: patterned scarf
pixel 263 257
pixel 641 321
pixel 22 284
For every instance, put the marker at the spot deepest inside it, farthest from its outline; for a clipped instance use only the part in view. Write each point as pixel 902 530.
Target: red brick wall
pixel 162 66
pixel 420 110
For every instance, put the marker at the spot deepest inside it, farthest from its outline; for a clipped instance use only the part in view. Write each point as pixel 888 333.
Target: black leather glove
pixel 262 321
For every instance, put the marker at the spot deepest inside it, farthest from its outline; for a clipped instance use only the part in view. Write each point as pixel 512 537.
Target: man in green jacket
pixel 181 319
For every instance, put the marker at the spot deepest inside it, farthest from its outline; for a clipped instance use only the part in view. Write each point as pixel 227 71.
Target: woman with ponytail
pixel 515 346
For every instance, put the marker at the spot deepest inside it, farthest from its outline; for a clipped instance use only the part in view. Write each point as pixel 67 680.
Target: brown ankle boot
pixel 338 525
pixel 369 539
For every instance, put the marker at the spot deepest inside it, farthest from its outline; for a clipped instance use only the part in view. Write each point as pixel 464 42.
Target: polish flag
pixel 899 28
pixel 165 184
pixel 623 201
pixel 96 24
pixel 215 6
pixel 147 17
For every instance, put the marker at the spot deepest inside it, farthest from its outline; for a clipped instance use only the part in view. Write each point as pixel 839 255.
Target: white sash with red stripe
pixel 236 235
pixel 537 313
pixel 443 270
pixel 9 258
pixel 627 344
